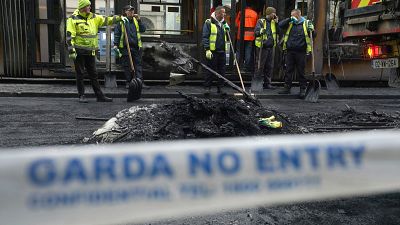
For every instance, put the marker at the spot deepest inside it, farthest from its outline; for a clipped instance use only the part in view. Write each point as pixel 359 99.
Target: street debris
pixel 178 53
pixel 350 119
pixel 270 122
pixel 187 119
pixel 195 117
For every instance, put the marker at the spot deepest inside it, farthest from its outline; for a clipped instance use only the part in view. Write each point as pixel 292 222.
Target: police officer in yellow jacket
pixel 214 42
pixel 297 44
pixel 266 32
pixel 82 42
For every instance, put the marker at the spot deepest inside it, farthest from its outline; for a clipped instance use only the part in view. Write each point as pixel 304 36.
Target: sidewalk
pixel 165 91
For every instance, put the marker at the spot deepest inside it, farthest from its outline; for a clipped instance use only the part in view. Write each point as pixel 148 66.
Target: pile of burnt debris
pixel 210 118
pixel 189 118
pixel 351 119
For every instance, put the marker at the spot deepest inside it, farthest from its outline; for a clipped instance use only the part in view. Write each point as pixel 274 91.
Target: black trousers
pixel 295 61
pixel 266 64
pixel 217 63
pixel 89 62
pixel 137 63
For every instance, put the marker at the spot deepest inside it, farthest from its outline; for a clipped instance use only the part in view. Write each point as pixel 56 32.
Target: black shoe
pixel 104 99
pixel 302 93
pixel 207 91
pixel 269 86
pixel 285 91
pixel 82 99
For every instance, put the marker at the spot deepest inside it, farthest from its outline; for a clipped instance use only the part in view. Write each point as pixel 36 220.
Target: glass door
pixel 48 26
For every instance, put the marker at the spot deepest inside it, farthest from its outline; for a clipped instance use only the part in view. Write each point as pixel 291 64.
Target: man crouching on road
pixel 82 42
pixel 214 42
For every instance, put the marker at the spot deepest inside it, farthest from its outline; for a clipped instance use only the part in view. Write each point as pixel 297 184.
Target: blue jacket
pixel 297 39
pixel 269 43
pixel 220 43
pixel 131 31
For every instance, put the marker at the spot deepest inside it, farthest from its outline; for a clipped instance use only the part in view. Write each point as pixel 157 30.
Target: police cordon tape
pixel 125 183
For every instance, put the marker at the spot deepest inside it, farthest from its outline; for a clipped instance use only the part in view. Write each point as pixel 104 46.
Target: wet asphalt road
pixel 50 121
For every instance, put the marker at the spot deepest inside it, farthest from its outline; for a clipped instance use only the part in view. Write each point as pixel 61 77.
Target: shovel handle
pixel 312 53
pixel 129 50
pixel 236 62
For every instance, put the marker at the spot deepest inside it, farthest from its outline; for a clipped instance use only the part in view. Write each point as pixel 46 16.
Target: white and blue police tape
pixel 121 183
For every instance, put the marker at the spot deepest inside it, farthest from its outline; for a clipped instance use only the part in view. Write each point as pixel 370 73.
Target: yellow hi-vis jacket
pixel 121 41
pixel 260 39
pixel 82 32
pixel 213 35
pixel 308 41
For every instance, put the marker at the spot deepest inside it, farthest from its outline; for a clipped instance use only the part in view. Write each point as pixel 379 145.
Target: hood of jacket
pixel 301 20
pixel 215 18
pixel 77 13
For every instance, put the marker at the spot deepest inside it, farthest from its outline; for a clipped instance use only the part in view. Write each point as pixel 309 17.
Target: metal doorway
pixel 13 35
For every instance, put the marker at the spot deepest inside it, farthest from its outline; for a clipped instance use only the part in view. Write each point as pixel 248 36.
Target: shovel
pixel 235 61
pixel 258 81
pixel 330 79
pixel 135 85
pixel 246 95
pixel 314 86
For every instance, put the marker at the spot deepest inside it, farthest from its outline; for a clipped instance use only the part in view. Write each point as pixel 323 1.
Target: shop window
pixel 49 41
pixel 167 18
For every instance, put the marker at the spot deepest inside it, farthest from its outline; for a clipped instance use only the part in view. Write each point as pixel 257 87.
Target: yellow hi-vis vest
pixel 121 41
pixel 308 41
pixel 82 32
pixel 213 35
pixel 263 37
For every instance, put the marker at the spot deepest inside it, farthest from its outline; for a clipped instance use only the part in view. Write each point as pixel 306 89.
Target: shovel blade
pixel 331 82
pixel 135 90
pixel 394 78
pixel 312 91
pixel 257 84
pixel 176 78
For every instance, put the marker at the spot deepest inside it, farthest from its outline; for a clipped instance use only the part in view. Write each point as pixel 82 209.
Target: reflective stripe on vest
pixel 121 40
pixel 86 37
pixel 213 35
pixel 260 39
pixel 308 41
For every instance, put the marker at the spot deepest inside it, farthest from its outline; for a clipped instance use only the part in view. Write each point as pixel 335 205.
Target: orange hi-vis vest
pixel 250 22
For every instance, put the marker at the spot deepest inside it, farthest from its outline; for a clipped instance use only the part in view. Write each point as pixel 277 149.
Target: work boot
pixel 207 91
pixel 302 93
pixel 285 91
pixel 82 99
pixel 104 99
pixel 221 91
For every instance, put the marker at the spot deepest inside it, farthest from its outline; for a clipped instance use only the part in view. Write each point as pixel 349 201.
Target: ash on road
pixel 208 118
pixel 51 121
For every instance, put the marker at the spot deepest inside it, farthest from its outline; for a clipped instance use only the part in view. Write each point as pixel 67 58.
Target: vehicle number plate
pixel 385 63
